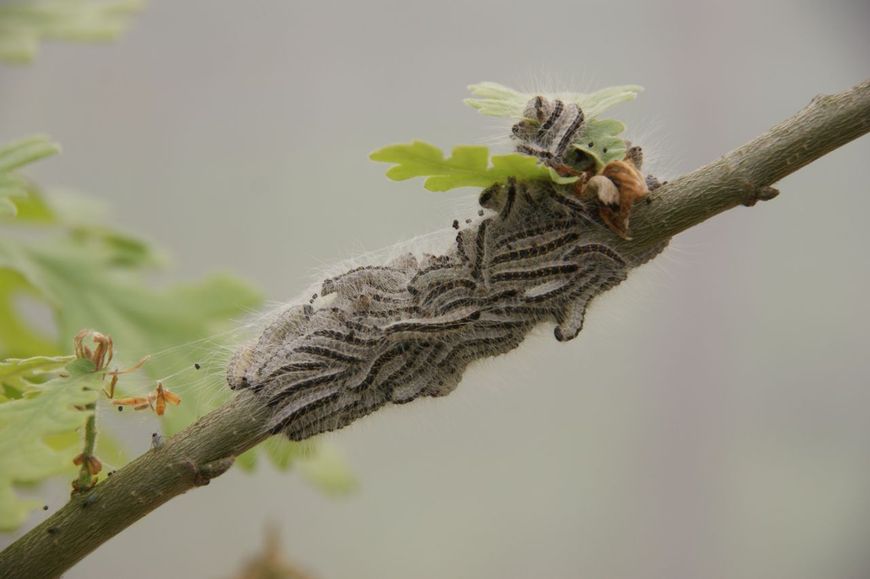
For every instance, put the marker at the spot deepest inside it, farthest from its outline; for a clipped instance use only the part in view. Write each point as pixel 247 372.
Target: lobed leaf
pixel 601 141
pixel 18 376
pixel 32 425
pixel 468 165
pixel 497 100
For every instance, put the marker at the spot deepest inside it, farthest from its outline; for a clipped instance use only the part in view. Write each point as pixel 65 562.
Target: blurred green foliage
pixel 24 24
pixel 88 274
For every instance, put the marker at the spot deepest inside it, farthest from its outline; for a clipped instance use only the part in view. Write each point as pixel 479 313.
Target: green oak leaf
pixel 31 426
pixel 600 140
pixel 95 288
pixel 21 375
pixel 468 165
pixel 497 100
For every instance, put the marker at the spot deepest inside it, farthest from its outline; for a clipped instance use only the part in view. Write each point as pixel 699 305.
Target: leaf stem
pixel 86 479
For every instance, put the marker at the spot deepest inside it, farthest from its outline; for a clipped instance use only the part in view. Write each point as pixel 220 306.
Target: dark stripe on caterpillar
pixel 558 107
pixel 577 207
pixel 345 338
pixel 289 420
pixel 361 327
pixel 460 247
pixel 431 268
pixel 510 196
pixel 539 108
pixel 570 133
pixel 295 388
pixel 473 300
pixel 440 288
pixel 428 327
pixel 555 226
pixel 536 250
pixel 376 366
pixel 328 354
pixel 597 248
pixel 541 272
pixel 542 154
pixel 480 248
pixel 295 367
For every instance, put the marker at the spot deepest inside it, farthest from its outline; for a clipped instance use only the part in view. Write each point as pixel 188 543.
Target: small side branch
pixel 207 448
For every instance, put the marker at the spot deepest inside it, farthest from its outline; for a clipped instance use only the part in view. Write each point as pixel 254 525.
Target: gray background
pixel 713 418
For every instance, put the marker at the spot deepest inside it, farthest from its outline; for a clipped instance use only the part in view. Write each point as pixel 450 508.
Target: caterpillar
pixel 548 128
pixel 389 334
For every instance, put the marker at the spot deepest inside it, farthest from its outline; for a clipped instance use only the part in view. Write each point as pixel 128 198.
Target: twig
pixel 86 479
pixel 207 448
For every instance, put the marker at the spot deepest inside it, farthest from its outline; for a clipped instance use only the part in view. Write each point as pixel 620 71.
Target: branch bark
pixel 207 448
pixel 746 175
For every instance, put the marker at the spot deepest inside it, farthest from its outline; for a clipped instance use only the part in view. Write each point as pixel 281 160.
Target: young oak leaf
pixel 31 426
pixel 497 100
pixel 600 140
pixel 467 166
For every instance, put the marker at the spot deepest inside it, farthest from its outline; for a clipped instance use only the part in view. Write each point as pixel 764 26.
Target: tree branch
pixel 207 448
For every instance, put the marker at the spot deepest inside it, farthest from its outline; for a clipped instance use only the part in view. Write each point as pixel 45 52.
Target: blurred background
pixel 713 418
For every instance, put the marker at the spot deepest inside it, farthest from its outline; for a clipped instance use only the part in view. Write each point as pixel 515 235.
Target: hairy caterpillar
pixel 392 333
pixel 546 131
pixel 548 128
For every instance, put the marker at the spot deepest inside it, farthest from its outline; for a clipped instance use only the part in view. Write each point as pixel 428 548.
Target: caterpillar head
pixel 252 362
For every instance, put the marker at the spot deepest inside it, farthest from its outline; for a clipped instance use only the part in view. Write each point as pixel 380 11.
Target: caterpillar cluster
pixel 548 129
pixel 392 333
